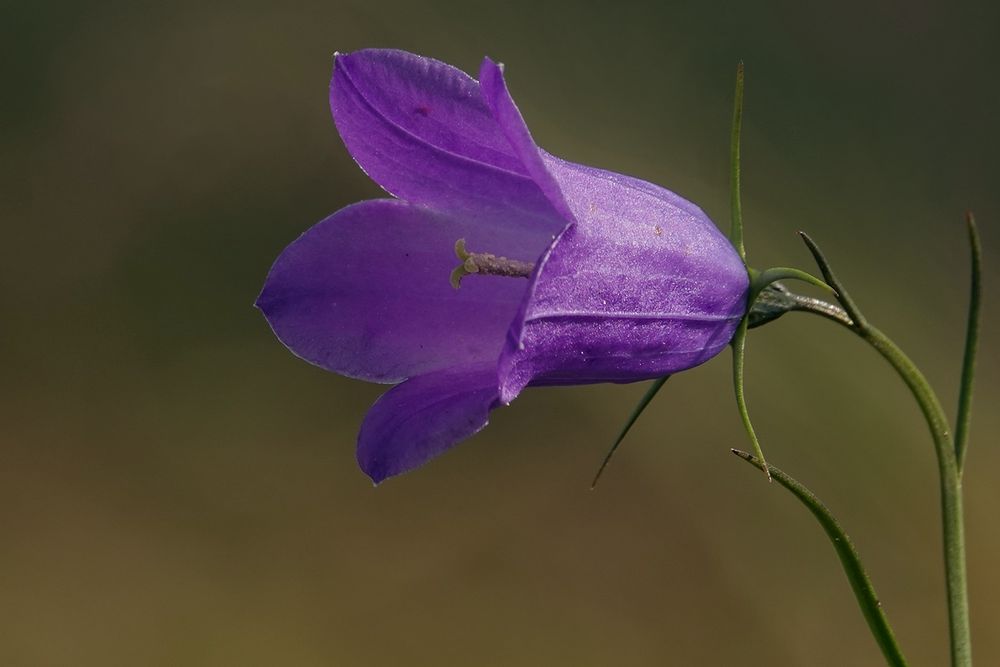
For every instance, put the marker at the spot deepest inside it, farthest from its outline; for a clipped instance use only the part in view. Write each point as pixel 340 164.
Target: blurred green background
pixel 177 489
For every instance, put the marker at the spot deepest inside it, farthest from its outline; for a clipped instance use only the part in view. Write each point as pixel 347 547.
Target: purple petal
pixel 415 421
pixel 508 117
pixel 421 130
pixel 365 292
pixel 643 285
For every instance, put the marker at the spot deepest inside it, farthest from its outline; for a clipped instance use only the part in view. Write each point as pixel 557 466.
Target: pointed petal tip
pixel 260 302
pixel 488 68
pixel 376 469
pixel 377 477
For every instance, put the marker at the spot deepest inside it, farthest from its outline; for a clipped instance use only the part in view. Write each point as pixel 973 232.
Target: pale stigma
pixel 486 264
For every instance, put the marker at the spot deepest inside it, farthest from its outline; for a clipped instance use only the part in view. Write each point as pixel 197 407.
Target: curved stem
pixel 951 492
pixel 735 206
pixel 864 592
pixel 739 353
pixel 947 460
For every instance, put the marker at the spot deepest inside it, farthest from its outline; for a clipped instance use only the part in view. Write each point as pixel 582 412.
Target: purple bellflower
pixel 573 275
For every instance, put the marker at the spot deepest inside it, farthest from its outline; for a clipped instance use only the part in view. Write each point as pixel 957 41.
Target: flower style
pixel 578 275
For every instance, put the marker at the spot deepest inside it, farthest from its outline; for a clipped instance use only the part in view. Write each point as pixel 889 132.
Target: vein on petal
pixel 688 317
pixel 444 151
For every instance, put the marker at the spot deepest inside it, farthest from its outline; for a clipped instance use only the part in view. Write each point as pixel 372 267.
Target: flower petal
pixel 415 421
pixel 420 129
pixel 365 292
pixel 511 122
pixel 643 285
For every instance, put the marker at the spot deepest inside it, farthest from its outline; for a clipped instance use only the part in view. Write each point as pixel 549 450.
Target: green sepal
pixel 640 407
pixel 760 280
pixel 735 205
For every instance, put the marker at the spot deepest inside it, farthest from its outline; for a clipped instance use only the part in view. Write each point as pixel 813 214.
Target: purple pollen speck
pixel 366 292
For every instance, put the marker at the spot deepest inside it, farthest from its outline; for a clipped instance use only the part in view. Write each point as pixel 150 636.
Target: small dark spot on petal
pixel 423 111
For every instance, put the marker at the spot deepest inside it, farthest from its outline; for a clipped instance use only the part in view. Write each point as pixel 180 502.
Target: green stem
pixel 864 592
pixel 951 492
pixel 947 459
pixel 739 354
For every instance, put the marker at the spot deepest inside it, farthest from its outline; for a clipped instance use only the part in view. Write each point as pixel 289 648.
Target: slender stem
pixel 759 282
pixel 739 353
pixel 864 592
pixel 944 446
pixel 951 492
pixel 971 346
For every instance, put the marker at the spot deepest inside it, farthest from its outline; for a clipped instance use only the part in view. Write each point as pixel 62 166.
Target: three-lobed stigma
pixel 486 264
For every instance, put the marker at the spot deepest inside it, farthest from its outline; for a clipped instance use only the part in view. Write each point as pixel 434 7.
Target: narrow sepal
pixel 640 407
pixel 773 275
pixel 736 207
pixel 831 279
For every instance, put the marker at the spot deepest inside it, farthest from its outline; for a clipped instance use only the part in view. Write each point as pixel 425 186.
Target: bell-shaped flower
pixel 572 274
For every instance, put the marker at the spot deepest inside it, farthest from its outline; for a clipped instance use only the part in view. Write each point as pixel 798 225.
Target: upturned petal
pixel 365 292
pixel 508 117
pixel 420 129
pixel 424 416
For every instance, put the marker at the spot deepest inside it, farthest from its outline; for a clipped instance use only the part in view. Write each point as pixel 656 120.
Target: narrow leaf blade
pixel 971 344
pixel 864 591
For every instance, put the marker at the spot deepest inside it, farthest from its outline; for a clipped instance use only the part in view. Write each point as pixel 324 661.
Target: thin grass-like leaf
pixel 864 592
pixel 971 344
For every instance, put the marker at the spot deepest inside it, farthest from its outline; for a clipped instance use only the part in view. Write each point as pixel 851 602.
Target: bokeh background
pixel 177 489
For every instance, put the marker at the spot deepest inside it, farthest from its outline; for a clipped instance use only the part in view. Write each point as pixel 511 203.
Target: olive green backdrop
pixel 177 489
